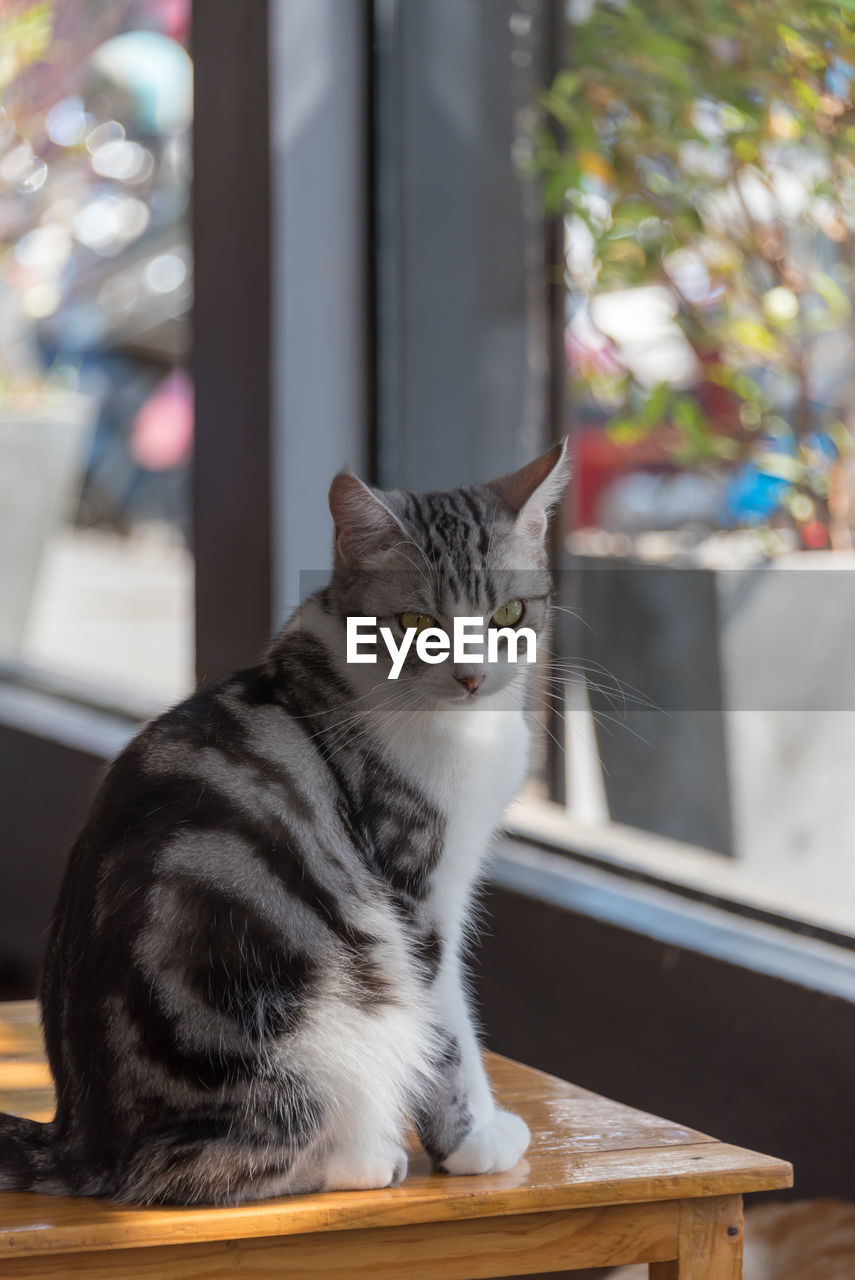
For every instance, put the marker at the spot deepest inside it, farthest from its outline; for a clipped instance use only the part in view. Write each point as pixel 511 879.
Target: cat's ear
pixel 531 493
pixel 364 527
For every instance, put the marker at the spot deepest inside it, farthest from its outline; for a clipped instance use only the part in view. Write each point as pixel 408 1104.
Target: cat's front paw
pixel 492 1147
pixel 365 1170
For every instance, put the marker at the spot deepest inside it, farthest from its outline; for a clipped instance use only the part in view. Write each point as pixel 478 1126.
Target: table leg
pixel 710 1242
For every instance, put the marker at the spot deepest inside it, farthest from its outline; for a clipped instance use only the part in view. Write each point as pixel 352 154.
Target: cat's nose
pixel 472 683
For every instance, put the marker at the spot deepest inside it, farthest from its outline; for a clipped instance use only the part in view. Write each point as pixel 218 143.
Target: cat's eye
pixel 509 614
pixel 416 621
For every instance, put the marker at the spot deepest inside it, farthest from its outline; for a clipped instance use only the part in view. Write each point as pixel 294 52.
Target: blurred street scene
pixel 96 403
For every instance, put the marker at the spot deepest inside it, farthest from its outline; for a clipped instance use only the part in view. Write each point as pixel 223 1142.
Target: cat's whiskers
pixel 563 683
pixel 522 707
pixel 570 727
pixel 601 718
pixel 584 668
pixel 572 613
pixel 346 702
pixel 340 729
pixel 364 721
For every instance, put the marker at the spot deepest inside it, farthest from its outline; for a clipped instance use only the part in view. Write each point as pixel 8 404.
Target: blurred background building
pixel 242 244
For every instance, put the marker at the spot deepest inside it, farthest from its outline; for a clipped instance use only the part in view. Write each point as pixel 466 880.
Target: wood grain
pixel 461 1250
pixel 25 1074
pixel 32 1223
pixel 586 1152
pixel 710 1242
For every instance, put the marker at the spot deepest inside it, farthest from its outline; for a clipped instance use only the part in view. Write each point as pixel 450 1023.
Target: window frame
pixel 232 500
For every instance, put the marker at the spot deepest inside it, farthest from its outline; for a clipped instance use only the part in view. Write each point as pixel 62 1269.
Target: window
pixel 697 719
pixel 673 747
pixel 461 377
pixel 96 400
pixel 701 159
pixel 67 708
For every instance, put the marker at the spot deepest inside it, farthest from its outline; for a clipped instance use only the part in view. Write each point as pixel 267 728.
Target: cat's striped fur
pixel 254 977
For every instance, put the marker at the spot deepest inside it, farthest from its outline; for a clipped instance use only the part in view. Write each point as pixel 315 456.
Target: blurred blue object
pixel 822 443
pixel 753 495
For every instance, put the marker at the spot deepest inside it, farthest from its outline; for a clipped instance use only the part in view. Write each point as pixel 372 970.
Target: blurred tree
pixel 707 147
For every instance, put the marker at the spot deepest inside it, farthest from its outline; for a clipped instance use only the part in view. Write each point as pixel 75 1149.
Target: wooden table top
pixel 585 1151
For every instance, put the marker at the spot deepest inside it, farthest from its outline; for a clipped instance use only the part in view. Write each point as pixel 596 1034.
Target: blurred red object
pixel 598 461
pixel 172 18
pixel 814 535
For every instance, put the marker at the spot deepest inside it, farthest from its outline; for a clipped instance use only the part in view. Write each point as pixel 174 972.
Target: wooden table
pixel 602 1184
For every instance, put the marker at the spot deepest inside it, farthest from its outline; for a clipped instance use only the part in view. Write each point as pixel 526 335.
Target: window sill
pixel 682 869
pixel 653 911
pixel 69 718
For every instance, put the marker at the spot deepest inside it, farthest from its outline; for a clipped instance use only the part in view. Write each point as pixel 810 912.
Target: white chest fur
pixel 470 763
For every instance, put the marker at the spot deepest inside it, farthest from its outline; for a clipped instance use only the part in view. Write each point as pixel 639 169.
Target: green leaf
pixel 567 83
pixel 656 406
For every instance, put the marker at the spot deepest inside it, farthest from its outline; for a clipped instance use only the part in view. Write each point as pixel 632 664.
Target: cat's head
pixel 414 561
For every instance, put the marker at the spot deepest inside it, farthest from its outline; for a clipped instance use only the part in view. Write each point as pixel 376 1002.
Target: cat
pixel 792 1240
pixel 254 978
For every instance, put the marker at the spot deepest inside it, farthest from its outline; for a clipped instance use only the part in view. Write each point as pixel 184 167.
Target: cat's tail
pixel 28 1157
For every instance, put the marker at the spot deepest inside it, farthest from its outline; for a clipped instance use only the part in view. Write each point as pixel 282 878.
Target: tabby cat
pixel 254 978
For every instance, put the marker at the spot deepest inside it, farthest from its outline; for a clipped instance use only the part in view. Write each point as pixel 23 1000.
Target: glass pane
pixel 463 378
pixel 96 401
pixel 702 155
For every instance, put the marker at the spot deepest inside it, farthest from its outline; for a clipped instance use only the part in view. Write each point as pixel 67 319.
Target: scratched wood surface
pixel 586 1151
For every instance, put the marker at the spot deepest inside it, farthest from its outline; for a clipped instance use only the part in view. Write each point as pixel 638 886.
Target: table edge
pixel 262 1220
